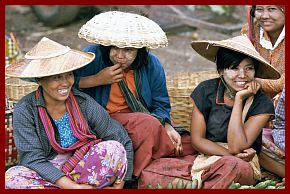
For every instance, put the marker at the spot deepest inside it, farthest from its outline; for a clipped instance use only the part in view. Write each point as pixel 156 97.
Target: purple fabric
pixel 103 161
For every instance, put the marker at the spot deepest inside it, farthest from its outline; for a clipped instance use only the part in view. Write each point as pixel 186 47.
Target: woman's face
pixel 236 78
pixel 123 56
pixel 56 88
pixel 270 17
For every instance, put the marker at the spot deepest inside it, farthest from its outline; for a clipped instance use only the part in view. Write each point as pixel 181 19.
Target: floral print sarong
pixel 103 161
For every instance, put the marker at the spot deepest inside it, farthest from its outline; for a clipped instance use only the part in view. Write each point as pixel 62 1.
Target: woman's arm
pixel 160 104
pixel 198 131
pixel 272 87
pixel 279 123
pixel 32 143
pixel 106 76
pixel 241 135
pixel 96 73
pixel 157 92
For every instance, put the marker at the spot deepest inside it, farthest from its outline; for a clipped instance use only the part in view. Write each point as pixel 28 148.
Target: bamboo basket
pixel 180 87
pixel 16 88
pixel 11 155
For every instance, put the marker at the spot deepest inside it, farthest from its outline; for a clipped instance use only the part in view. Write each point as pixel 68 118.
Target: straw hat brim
pixel 208 49
pixel 37 68
pixel 120 29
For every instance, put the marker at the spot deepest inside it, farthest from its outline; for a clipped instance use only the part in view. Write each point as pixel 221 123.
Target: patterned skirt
pixel 270 148
pixel 104 161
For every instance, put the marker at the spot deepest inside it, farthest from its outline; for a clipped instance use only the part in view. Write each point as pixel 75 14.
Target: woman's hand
pixel 66 183
pixel 175 138
pixel 116 186
pixel 111 74
pixel 247 155
pixel 85 186
pixel 106 76
pixel 250 89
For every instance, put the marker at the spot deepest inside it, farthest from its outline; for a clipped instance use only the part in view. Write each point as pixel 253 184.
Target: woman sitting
pixel 266 30
pixel 229 114
pixel 65 139
pixel 272 157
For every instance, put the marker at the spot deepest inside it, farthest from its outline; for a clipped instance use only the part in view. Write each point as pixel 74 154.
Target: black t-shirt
pixel 209 99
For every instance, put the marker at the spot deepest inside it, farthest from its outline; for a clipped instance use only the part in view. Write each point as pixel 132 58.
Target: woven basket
pixel 11 155
pixel 180 87
pixel 16 88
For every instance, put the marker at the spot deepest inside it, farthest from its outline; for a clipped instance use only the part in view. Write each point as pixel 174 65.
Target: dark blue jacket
pixel 153 83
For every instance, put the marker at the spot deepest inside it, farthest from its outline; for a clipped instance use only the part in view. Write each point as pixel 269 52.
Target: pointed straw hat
pixel 208 49
pixel 120 29
pixel 48 58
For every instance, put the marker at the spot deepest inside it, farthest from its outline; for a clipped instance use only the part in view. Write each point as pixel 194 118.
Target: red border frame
pixel 136 2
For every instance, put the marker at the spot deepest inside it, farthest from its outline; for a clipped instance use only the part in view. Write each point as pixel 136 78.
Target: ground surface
pixel 177 57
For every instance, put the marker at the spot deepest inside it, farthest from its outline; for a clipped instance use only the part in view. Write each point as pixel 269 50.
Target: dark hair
pixel 227 58
pixel 252 11
pixel 140 60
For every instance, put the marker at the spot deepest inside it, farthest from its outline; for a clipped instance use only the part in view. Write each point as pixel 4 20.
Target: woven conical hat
pixel 123 30
pixel 208 49
pixel 48 58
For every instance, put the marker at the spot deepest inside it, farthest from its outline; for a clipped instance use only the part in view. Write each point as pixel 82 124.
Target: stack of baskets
pixel 180 87
pixel 15 89
pixel 11 156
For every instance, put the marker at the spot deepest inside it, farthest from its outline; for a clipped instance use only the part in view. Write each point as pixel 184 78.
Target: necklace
pixel 231 94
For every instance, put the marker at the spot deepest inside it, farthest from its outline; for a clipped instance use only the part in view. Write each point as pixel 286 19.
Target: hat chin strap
pixel 62 52
pixel 231 94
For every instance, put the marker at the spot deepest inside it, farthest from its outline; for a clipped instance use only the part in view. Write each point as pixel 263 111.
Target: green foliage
pixel 225 10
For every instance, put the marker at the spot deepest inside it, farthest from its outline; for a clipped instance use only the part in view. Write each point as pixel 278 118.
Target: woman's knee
pixel 235 162
pixel 243 169
pixel 113 147
pixel 149 121
pixel 16 177
pixel 17 171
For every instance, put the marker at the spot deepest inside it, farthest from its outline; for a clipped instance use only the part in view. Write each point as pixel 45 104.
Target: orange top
pixel 117 102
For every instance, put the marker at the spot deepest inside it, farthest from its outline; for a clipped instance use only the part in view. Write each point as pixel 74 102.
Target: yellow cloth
pixel 203 162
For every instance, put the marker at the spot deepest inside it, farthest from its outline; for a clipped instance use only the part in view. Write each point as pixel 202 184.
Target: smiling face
pixel 237 77
pixel 270 17
pixel 123 56
pixel 56 88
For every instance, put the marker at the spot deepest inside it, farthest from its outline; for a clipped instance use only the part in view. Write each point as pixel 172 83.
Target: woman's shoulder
pixel 261 97
pixel 152 55
pixel 263 102
pixel 92 48
pixel 81 96
pixel 206 88
pixel 85 101
pixel 153 59
pixel 209 84
pixel 25 103
pixel 245 29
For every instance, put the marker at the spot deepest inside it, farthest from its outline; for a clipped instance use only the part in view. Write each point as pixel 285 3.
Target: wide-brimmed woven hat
pixel 208 49
pixel 122 30
pixel 48 58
